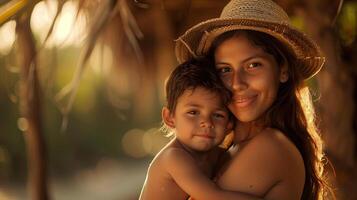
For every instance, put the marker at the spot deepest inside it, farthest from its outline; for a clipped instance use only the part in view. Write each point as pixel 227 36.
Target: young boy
pixel 197 115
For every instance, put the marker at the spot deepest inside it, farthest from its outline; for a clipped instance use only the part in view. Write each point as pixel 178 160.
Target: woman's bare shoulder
pixel 272 147
pixel 267 160
pixel 283 160
pixel 276 145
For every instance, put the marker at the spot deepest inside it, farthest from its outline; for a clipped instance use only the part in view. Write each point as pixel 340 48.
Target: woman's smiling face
pixel 252 75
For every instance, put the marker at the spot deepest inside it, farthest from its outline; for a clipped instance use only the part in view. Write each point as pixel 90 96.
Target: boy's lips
pixel 204 135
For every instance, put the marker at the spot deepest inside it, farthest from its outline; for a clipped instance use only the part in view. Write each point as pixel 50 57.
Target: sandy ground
pixel 108 180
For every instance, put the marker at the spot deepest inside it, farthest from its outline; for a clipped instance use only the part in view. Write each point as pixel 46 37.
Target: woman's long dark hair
pixel 292 112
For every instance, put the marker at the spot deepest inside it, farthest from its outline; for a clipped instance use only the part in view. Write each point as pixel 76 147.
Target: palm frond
pixel 100 20
pixel 338 11
pixel 59 10
pixel 131 28
pixel 10 9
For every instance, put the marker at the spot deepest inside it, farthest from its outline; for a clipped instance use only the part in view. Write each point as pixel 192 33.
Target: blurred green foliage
pixel 347 23
pixel 95 126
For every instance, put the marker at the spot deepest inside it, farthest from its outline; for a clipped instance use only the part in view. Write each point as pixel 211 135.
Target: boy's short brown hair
pixel 192 74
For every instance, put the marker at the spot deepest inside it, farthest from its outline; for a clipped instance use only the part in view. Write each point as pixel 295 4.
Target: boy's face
pixel 200 119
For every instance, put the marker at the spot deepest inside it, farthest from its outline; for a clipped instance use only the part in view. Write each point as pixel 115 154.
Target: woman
pixel 264 61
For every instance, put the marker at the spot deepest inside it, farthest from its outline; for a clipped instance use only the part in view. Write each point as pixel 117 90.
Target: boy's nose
pixel 206 123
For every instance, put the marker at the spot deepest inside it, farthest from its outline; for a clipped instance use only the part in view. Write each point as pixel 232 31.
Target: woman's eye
pixel 254 65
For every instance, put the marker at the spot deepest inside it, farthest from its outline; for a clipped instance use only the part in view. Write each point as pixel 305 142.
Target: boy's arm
pixel 182 168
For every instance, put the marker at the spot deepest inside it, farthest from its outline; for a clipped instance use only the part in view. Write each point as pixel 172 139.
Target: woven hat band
pixel 209 37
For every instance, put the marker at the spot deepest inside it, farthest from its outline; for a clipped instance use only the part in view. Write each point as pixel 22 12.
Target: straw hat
pixel 258 15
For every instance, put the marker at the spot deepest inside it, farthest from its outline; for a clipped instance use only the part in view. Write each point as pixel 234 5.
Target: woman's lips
pixel 242 102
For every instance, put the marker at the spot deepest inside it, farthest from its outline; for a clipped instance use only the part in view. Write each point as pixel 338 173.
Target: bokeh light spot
pixel 22 124
pixel 7 37
pixel 154 141
pixel 132 143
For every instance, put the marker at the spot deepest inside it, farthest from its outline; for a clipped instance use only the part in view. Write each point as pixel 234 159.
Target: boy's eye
pixel 192 112
pixel 219 115
pixel 223 70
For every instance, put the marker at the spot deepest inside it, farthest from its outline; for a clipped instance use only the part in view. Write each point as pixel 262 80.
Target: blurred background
pixel 81 91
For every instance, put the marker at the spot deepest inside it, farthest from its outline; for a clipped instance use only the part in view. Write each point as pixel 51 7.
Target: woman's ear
pixel 284 74
pixel 167 117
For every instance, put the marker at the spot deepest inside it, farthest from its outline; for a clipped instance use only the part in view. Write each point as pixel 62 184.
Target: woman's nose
pixel 238 81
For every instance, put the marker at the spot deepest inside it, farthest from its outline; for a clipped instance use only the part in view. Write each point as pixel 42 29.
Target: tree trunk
pixel 30 111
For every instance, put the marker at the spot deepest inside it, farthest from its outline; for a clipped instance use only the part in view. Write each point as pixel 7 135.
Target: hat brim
pixel 197 40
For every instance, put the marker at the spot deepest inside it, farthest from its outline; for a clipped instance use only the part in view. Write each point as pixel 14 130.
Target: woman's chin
pixel 244 116
pixel 245 119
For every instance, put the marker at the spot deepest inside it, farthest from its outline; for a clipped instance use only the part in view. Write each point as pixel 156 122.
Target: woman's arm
pixel 183 169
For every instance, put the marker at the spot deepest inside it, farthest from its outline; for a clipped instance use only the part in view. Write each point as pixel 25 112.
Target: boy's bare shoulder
pixel 169 155
pixel 174 155
pixel 160 184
